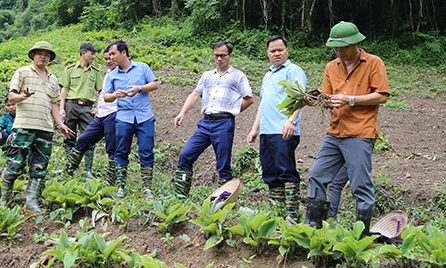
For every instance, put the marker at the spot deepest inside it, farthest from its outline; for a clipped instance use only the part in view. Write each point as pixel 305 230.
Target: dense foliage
pixel 407 23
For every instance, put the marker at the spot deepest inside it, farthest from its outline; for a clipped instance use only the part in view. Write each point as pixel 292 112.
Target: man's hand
pixel 178 120
pixel 287 130
pixel 119 94
pixel 339 100
pixel 66 131
pixel 132 91
pixel 251 138
pixel 27 93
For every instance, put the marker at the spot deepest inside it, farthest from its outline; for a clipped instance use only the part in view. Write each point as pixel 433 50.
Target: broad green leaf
pixel 70 258
pixel 212 241
pixel 238 230
pixel 268 227
pixel 113 245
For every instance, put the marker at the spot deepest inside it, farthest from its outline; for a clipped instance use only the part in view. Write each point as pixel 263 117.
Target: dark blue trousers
pixel 99 128
pixel 278 159
pixel 218 133
pixel 145 134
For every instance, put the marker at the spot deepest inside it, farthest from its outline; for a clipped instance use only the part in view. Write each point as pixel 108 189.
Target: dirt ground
pixel 415 163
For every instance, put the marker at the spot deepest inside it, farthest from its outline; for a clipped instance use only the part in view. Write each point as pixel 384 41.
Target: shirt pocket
pixel 75 81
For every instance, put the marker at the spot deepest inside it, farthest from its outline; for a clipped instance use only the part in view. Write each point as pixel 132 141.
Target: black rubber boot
pixel 182 182
pixel 366 217
pixel 316 213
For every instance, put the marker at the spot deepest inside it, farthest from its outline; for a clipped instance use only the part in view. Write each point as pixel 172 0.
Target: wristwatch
pixel 293 121
pixel 351 101
pixel 140 89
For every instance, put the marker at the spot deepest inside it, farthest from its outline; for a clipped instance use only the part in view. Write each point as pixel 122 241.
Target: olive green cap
pixel 344 34
pixel 42 45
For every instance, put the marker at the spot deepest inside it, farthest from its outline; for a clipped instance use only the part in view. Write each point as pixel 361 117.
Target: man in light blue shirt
pixel 130 82
pixel 279 135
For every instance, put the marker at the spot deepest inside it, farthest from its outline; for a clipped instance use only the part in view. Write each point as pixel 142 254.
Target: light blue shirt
pixel 137 107
pixel 271 120
pixel 223 92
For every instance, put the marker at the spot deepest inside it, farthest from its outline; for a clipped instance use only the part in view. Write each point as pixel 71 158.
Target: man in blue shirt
pixel 279 135
pixel 130 82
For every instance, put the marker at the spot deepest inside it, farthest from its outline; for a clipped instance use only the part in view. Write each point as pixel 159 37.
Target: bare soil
pixel 415 163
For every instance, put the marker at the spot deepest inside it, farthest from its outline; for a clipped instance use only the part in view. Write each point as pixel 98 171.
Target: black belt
pixel 82 102
pixel 218 116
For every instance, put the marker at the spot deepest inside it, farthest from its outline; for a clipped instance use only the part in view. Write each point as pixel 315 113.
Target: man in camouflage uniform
pixel 81 82
pixel 36 92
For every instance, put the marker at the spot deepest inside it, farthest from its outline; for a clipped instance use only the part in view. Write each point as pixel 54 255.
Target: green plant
pixel 87 249
pixel 168 238
pixel 94 194
pixel 246 160
pixel 212 218
pixel 122 215
pixel 424 244
pixel 256 229
pixel 171 215
pixel 356 252
pixel 9 220
pixel 335 243
pixel 290 237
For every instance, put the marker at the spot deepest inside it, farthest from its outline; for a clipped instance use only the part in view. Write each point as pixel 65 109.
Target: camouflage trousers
pixel 32 146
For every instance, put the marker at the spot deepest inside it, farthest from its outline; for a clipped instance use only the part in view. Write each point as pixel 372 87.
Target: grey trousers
pixel 356 154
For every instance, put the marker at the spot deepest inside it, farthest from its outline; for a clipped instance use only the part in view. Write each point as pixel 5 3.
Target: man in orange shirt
pixel 357 83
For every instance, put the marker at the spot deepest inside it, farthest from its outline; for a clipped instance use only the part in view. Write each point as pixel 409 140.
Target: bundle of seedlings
pixel 295 96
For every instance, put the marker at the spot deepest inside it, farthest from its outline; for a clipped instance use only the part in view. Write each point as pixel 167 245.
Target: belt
pixel 218 116
pixel 81 102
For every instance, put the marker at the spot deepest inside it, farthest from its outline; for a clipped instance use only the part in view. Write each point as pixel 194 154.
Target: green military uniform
pixel 82 85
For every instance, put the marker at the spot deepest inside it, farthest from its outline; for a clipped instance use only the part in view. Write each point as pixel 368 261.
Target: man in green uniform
pixel 81 82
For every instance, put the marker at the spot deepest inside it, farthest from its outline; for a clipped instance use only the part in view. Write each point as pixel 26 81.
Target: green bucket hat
pixel 344 34
pixel 42 45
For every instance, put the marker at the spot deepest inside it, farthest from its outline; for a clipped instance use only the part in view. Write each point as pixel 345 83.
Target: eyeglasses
pixel 220 56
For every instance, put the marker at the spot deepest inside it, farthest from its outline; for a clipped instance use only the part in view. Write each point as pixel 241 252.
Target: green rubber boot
pixel 121 177
pixel 182 182
pixel 110 173
pixel 147 176
pixel 6 191
pixel 276 195
pixel 73 161
pixel 88 159
pixel 292 202
pixel 33 192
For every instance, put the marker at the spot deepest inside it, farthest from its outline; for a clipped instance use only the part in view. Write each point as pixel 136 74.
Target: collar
pixel 362 56
pixel 132 64
pixel 229 70
pixel 35 70
pixel 283 65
